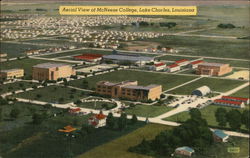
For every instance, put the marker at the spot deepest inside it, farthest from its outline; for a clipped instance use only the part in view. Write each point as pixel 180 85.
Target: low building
pixel 201 91
pixel 129 90
pixel 182 62
pixel 133 59
pixel 75 111
pixel 11 73
pixel 173 68
pixel 158 67
pixel 213 69
pixel 67 129
pixel 52 71
pixel 97 120
pixel 220 136
pixel 239 99
pixel 89 57
pixel 186 151
pixel 195 64
pixel 235 104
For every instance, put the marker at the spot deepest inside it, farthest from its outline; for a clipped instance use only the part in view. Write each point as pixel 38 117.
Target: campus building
pixel 185 151
pixel 182 62
pixel 11 73
pixel 235 104
pixel 52 71
pixel 213 69
pixel 195 64
pixel 97 120
pixel 129 90
pixel 158 67
pixel 89 57
pixel 173 68
pixel 220 136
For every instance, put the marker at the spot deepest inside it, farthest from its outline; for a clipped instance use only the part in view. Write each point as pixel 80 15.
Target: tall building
pixel 129 90
pixel 213 69
pixel 52 71
pixel 11 73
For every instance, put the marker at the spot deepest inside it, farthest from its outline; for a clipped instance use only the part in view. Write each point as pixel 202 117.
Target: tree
pixel 37 118
pixel 122 121
pixel 61 100
pixel 85 84
pixel 170 97
pixel 110 121
pixel 1 115
pixel 234 119
pixel 220 116
pixel 104 105
pixel 3 101
pixel 245 118
pixel 134 119
pixel 162 96
pixel 14 113
pixel 38 96
pixel 76 122
pixel 195 113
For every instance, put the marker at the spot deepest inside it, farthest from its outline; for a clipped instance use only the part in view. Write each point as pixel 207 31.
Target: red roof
pixel 197 62
pixel 235 98
pixel 75 110
pixel 88 56
pixel 100 116
pixel 227 101
pixel 159 64
pixel 173 65
pixel 181 61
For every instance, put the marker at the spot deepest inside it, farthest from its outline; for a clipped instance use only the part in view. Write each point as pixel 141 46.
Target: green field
pixel 56 42
pixel 10 87
pixel 174 58
pixel 215 84
pixel 233 63
pixel 119 147
pixel 242 93
pixel 97 105
pixel 16 50
pixel 147 110
pixel 206 112
pixel 53 94
pixel 25 64
pixel 144 78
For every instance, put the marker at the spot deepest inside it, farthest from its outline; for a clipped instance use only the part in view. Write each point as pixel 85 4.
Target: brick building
pixel 11 73
pixel 129 90
pixel 213 69
pixel 52 71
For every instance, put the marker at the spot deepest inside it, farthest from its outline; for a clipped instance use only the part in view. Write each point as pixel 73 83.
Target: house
pixel 52 71
pixel 173 68
pixel 213 69
pixel 89 57
pixel 235 104
pixel 186 151
pixel 239 99
pixel 220 136
pixel 195 64
pixel 75 111
pixel 67 129
pixel 182 62
pixel 158 67
pixel 11 73
pixel 97 120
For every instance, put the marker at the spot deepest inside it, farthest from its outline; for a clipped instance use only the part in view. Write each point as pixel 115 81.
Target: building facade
pixel 213 69
pixel 173 68
pixel 186 151
pixel 52 71
pixel 129 90
pixel 11 73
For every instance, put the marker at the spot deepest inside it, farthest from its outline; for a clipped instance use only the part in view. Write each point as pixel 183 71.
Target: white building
pixel 97 120
pixel 182 62
pixel 173 68
pixel 158 67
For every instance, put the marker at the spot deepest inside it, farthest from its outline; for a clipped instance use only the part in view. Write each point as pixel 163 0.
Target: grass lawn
pixel 56 42
pixel 201 46
pixel 97 105
pixel 174 58
pixel 26 64
pixel 232 63
pixel 242 93
pixel 207 113
pixel 147 110
pixel 220 85
pixel 10 87
pixel 53 94
pixel 144 78
pixel 16 50
pixel 119 147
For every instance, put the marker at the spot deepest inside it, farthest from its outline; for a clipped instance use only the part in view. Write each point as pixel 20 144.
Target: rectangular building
pixel 158 67
pixel 11 73
pixel 213 69
pixel 89 57
pixel 52 71
pixel 129 90
pixel 195 64
pixel 182 62
pixel 173 68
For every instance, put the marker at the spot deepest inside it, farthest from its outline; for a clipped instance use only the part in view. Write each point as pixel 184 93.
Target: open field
pixel 10 87
pixel 144 78
pixel 174 58
pixel 207 113
pixel 239 74
pixel 242 93
pixel 147 110
pixel 56 42
pixel 119 147
pixel 63 94
pixel 202 46
pixel 232 63
pixel 97 106
pixel 237 32
pixel 220 85
pixel 25 64
pixel 16 50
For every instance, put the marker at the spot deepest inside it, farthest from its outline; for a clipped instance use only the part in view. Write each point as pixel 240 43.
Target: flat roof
pixel 211 64
pixel 128 58
pixel 142 87
pixel 50 65
pixel 10 70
